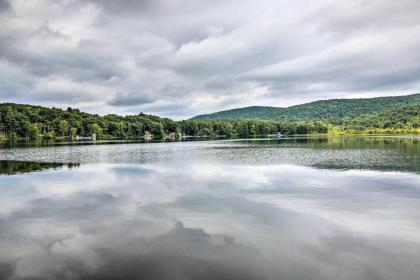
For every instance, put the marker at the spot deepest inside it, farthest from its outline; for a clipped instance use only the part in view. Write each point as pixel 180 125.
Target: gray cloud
pixel 132 99
pixel 182 58
pixel 4 6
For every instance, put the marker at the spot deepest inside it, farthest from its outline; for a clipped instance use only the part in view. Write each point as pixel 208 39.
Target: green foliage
pixel 73 132
pixel 25 121
pixel 32 122
pixel 404 119
pixel 95 128
pixel 16 167
pixel 33 131
pixel 323 110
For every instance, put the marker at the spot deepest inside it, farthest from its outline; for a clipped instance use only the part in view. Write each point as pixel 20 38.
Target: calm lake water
pixel 299 208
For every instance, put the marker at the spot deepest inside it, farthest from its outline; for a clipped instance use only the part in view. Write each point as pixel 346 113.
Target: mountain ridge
pixel 316 110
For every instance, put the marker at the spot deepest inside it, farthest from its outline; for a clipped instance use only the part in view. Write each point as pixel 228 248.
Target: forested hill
pixel 325 110
pixel 19 121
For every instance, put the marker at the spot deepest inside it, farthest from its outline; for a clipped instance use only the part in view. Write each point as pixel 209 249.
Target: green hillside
pixel 386 115
pixel 396 118
pixel 325 110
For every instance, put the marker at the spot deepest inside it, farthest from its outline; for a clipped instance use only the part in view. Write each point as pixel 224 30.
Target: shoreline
pixel 51 142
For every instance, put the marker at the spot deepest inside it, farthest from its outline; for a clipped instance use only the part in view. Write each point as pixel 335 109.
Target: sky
pixel 178 58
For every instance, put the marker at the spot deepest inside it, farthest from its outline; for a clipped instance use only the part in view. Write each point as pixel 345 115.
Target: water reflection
pixel 11 167
pixel 368 153
pixel 201 220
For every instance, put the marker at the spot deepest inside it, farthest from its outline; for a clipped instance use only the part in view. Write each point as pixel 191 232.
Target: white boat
pixel 276 135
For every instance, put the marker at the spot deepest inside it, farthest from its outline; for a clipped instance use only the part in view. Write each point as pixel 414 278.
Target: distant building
pixel 172 135
pixel 148 136
pixel 93 137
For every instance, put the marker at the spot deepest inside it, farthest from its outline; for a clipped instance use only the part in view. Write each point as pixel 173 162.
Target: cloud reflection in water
pixel 208 221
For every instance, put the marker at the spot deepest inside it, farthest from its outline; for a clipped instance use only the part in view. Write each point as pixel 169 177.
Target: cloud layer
pixel 180 58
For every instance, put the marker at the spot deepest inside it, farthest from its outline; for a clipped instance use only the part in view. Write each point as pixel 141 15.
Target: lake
pixel 290 208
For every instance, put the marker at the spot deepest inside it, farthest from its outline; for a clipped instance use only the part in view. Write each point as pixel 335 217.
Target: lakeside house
pixel 147 136
pixel 92 137
pixel 173 135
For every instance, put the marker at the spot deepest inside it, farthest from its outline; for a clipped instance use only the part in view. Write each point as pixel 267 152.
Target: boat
pixel 276 135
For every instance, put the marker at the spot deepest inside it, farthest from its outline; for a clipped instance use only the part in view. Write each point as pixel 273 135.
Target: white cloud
pixel 180 58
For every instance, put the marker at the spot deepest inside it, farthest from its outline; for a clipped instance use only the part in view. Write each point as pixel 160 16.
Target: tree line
pixel 405 119
pixel 19 121
pixel 31 122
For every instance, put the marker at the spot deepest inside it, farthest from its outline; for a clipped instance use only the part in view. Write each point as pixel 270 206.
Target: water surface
pixel 307 208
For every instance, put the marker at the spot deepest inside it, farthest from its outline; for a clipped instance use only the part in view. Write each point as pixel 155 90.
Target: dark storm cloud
pixel 181 58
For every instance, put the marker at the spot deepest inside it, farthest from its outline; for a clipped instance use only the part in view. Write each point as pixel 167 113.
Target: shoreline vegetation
pixel 27 122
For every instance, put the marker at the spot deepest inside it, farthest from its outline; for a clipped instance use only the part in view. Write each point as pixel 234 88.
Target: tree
pixel 33 131
pixel 10 121
pixel 63 127
pixel 95 128
pixel 157 130
pixel 73 132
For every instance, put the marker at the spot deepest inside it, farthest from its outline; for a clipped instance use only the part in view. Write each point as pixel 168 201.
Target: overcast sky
pixel 180 58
